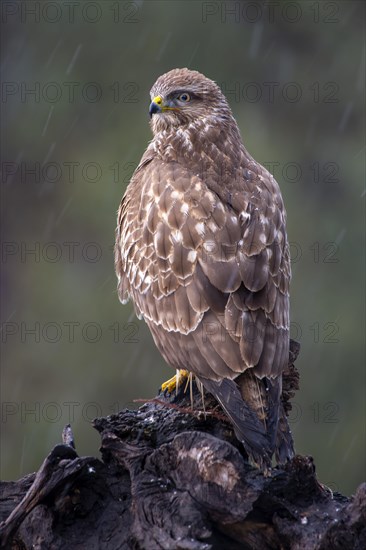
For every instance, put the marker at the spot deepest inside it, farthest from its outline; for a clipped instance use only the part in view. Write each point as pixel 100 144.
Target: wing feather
pixel 194 253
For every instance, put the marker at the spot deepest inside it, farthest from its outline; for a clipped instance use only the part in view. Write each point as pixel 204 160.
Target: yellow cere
pixel 158 100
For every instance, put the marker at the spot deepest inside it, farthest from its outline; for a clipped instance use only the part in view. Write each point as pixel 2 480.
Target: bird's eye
pixel 184 97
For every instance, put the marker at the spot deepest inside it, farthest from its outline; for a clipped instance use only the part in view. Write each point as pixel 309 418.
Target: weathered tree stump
pixel 176 478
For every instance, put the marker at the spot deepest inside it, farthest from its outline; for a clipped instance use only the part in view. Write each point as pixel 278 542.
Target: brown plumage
pixel 201 249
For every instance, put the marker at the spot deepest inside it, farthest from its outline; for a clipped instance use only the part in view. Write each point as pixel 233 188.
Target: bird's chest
pixel 167 220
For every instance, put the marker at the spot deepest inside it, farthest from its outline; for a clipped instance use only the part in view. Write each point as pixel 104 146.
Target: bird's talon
pixel 169 385
pixel 174 382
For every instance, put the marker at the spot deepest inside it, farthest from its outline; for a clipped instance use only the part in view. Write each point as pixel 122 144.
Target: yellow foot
pixel 174 383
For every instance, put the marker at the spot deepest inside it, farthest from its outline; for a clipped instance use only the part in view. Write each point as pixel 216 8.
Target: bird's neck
pixel 207 137
pixel 210 146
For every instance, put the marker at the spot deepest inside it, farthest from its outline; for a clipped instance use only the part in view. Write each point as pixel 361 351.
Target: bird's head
pixel 182 96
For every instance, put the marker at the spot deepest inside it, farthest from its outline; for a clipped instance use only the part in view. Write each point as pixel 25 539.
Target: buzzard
pixel 202 251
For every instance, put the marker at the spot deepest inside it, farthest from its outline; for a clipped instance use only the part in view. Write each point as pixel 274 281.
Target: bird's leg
pixel 174 382
pixel 202 392
pixel 190 382
pixel 191 389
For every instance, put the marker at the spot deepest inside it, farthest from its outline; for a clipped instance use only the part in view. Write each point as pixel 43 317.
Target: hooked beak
pixel 156 106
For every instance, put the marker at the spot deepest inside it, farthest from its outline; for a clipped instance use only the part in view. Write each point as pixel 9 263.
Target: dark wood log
pixel 172 477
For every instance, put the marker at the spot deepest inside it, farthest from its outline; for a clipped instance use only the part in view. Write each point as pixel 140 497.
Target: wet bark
pixel 170 478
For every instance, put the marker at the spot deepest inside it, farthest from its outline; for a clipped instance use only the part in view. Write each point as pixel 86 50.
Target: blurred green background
pixel 294 75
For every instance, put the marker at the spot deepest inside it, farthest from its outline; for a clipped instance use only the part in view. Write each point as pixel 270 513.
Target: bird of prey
pixel 202 251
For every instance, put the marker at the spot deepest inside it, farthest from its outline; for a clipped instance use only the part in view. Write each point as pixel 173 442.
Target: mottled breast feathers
pixel 192 262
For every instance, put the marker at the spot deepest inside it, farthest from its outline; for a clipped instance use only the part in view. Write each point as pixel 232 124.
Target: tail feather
pixel 273 396
pixel 285 450
pixel 248 427
pixel 278 429
pixel 258 416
